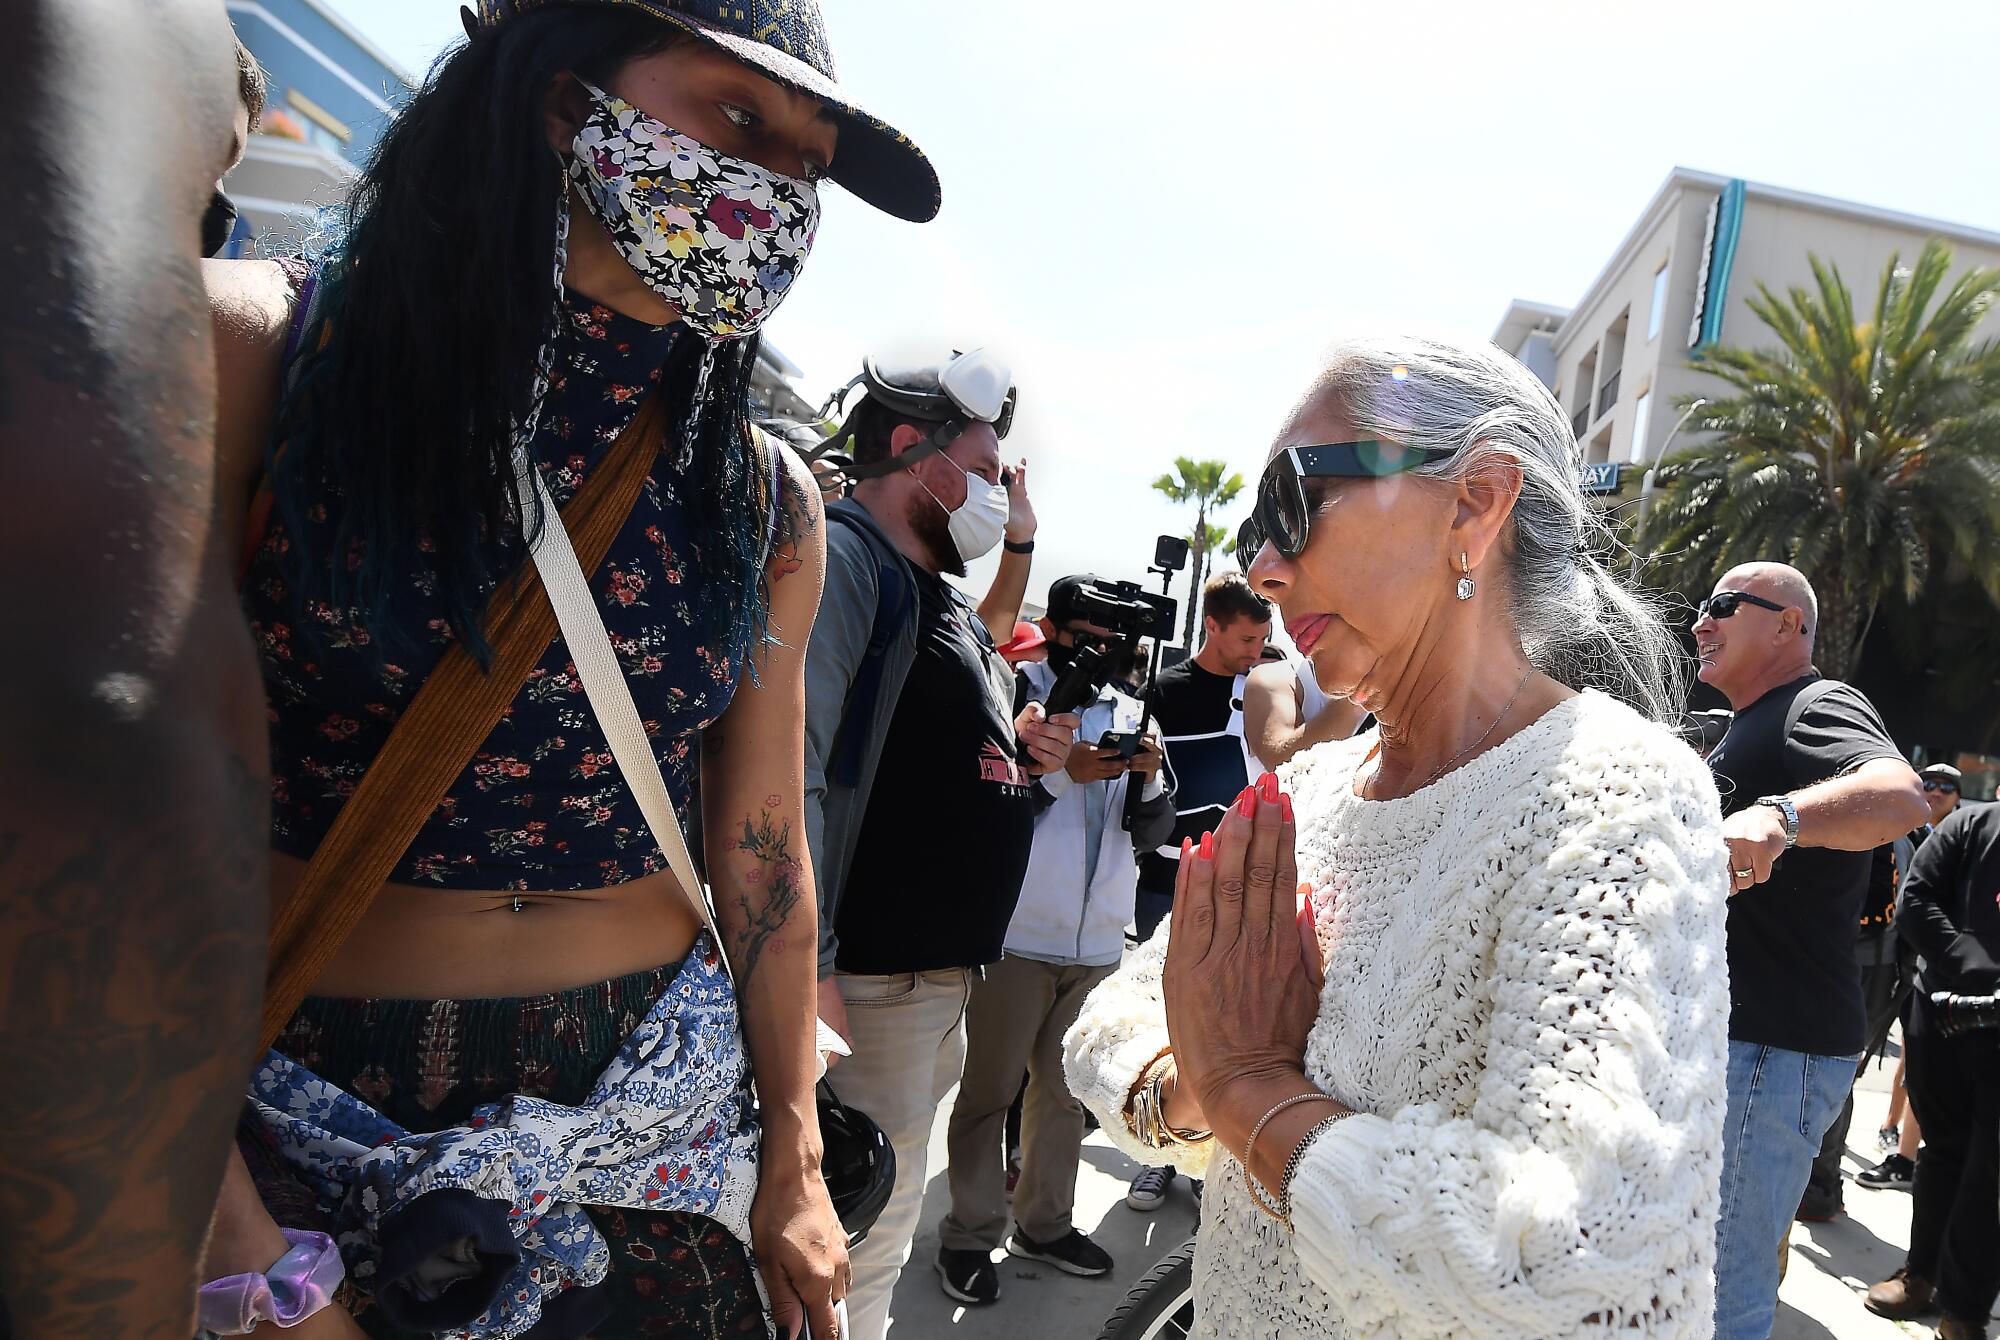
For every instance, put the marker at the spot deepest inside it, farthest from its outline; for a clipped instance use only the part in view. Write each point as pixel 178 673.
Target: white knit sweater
pixel 1527 999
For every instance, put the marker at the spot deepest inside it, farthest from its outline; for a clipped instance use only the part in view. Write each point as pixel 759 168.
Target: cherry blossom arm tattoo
pixel 769 892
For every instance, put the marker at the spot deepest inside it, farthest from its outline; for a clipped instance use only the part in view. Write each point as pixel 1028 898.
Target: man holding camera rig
pixel 1950 914
pixel 919 768
pixel 1066 936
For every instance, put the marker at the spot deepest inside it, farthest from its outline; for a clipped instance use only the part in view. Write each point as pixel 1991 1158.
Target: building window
pixel 323 130
pixel 1658 315
pixel 1642 414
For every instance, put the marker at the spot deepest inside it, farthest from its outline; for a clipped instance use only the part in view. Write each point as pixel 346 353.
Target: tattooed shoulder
pixel 801 516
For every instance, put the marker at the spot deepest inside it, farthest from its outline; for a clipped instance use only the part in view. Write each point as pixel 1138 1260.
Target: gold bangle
pixel 1175 1134
pixel 1141 1105
pixel 1147 1110
pixel 1274 1208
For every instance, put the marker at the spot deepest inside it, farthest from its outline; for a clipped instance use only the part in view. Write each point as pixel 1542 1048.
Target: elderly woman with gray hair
pixel 1467 1080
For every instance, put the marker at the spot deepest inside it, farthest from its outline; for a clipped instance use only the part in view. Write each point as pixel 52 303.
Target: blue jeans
pixel 1780 1105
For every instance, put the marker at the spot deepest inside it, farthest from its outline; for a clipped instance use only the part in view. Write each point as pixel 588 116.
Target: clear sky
pixel 1163 213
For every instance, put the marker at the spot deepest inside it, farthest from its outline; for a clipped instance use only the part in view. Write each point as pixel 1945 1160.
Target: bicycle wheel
pixel 1161 1306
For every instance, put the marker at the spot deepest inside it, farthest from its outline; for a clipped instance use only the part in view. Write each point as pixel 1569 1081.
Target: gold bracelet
pixel 1272 1208
pixel 1175 1134
pixel 1148 1110
pixel 1140 1106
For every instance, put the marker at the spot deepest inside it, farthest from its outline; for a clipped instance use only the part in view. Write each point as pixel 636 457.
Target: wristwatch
pixel 1784 806
pixel 1020 546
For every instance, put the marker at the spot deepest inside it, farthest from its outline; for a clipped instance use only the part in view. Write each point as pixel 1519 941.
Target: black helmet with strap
pixel 953 392
pixel 858 1164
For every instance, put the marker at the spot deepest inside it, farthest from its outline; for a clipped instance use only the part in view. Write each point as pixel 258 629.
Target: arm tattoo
pixel 798 521
pixel 767 893
pixel 130 953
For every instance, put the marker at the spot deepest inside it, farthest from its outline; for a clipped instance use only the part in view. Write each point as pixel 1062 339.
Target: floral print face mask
pixel 720 238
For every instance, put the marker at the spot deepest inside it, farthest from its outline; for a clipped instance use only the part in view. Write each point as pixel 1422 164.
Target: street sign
pixel 1599 478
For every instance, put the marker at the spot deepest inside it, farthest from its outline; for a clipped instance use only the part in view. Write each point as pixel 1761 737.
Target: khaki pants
pixel 1015 1022
pixel 908 1031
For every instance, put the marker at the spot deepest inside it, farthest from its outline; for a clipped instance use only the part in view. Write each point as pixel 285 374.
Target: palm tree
pixel 1864 453
pixel 1216 543
pixel 1208 485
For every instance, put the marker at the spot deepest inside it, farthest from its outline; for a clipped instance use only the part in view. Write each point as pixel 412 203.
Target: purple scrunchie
pixel 298 1284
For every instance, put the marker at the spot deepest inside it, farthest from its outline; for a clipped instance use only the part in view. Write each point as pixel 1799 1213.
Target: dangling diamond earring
pixel 1465 583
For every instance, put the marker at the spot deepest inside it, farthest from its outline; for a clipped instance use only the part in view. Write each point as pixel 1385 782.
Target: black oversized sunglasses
pixel 1282 514
pixel 1725 603
pixel 1933 784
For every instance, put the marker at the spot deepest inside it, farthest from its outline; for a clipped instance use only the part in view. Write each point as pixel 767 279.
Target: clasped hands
pixel 1244 968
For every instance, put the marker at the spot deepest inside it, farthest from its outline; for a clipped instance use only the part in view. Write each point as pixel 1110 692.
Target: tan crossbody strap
pixel 453 712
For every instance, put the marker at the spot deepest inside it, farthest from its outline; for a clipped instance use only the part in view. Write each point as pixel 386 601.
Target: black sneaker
pixel 1072 1253
pixel 1894 1173
pixel 1149 1188
pixel 968 1277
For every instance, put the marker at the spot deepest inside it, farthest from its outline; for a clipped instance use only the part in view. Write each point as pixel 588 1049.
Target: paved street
pixel 1831 1264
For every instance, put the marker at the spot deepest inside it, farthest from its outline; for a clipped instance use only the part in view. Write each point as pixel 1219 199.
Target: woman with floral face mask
pixel 570 237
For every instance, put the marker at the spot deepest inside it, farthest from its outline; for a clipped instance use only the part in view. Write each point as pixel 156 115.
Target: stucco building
pixel 1619 360
pixel 1624 362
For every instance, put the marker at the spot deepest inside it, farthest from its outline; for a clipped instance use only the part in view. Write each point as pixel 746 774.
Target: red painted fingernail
pixel 1268 783
pixel 1187 845
pixel 1285 806
pixel 1208 846
pixel 1246 804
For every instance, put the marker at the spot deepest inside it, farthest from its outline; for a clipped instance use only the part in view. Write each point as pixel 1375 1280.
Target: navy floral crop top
pixel 541 806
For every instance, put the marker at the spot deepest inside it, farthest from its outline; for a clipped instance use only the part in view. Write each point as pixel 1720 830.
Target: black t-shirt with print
pixel 943 848
pixel 1793 980
pixel 1207 768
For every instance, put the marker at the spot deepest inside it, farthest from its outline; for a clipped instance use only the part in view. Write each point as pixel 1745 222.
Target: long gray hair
pixel 1578 622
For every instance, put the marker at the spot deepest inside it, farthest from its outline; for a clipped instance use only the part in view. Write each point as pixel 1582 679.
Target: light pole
pixel 1653 471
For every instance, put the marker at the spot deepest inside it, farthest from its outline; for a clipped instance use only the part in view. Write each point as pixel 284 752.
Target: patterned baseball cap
pixel 786 40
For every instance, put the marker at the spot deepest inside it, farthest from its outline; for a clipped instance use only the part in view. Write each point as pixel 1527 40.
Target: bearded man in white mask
pixel 919 811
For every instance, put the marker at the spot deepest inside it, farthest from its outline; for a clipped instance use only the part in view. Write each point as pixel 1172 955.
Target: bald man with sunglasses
pixel 1811 784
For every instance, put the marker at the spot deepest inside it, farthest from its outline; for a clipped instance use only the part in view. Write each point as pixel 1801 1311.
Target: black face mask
pixel 217 223
pixel 1061 658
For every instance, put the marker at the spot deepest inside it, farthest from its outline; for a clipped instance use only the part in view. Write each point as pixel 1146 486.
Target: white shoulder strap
pixel 617 715
pixel 604 684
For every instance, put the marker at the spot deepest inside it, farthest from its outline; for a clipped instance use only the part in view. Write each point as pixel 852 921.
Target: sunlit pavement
pixel 1039 1302
pixel 1831 1267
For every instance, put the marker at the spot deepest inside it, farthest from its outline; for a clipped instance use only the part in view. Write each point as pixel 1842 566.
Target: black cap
pixel 1063 592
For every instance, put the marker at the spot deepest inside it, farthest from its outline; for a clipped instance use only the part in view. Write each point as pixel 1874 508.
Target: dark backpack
pixel 892 607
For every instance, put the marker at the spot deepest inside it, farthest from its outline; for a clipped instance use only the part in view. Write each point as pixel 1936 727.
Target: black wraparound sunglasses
pixel 1725 603
pixel 1283 514
pixel 1933 784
